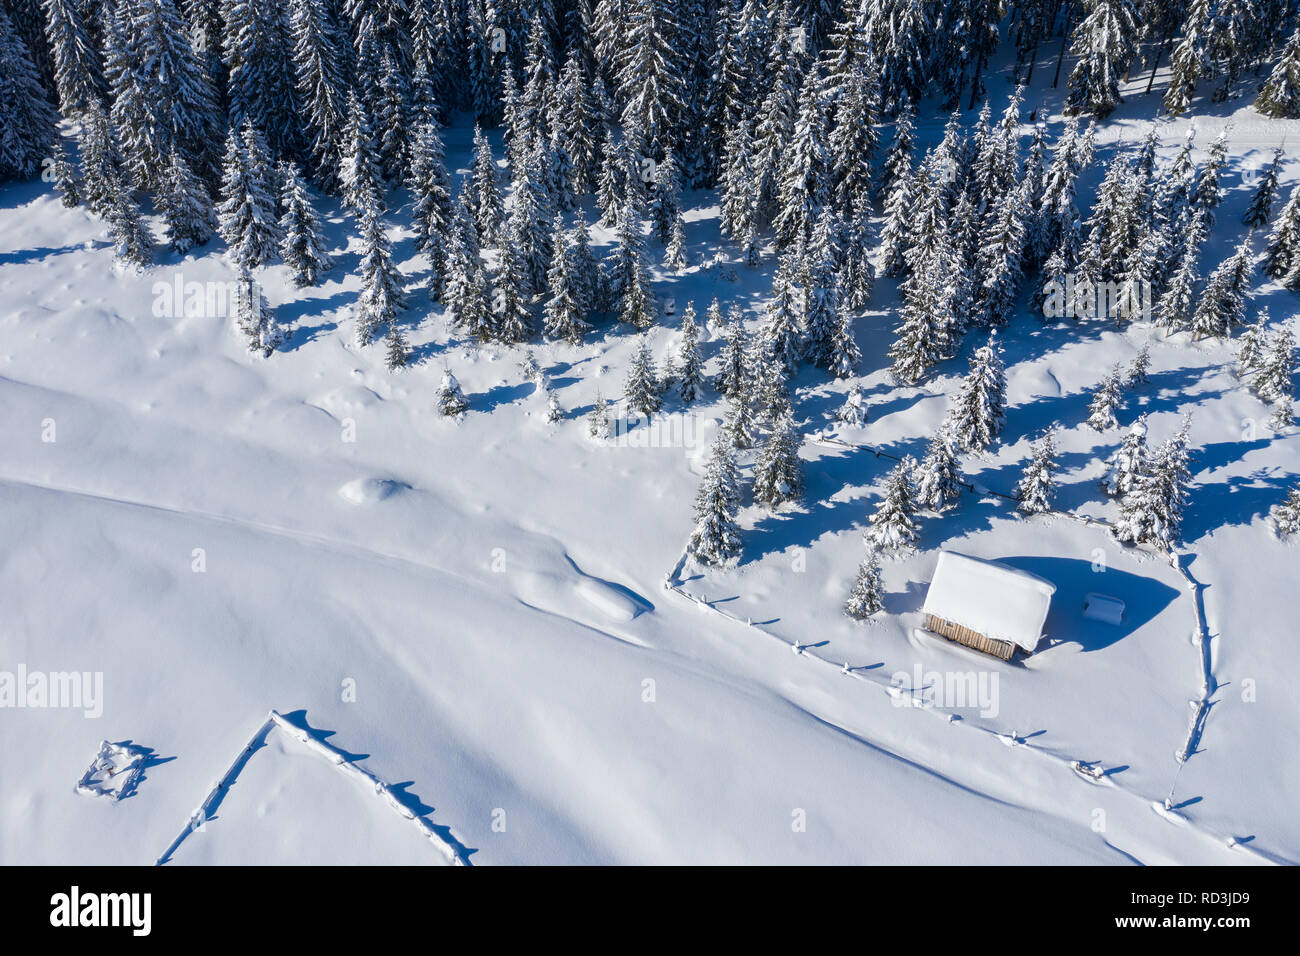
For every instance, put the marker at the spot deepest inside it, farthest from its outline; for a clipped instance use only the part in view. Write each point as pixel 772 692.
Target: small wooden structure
pixel 987 606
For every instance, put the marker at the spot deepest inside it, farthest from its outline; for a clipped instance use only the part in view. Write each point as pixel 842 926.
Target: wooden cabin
pixel 987 606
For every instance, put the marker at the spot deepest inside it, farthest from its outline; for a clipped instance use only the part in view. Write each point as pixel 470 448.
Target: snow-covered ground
pixel 476 613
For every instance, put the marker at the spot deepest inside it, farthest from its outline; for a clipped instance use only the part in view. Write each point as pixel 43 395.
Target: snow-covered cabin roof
pixel 998 601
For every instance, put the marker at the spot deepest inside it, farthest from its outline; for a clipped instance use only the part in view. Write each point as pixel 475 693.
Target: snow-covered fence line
pixel 1209 685
pixel 454 852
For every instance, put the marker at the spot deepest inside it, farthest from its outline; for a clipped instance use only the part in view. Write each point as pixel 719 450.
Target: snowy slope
pixel 478 607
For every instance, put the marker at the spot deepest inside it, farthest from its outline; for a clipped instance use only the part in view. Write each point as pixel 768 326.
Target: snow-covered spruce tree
pixel 1253 345
pixel 979 412
pixel 1276 372
pixel 734 377
pixel 641 392
pixel 586 272
pixel 739 422
pixel 1037 486
pixel 1130 461
pixel 529 224
pixel 188 216
pixel 431 207
pixel 1152 512
pixel 1285 515
pixel 690 372
pixel 381 294
pixel 665 198
pixel 867 597
pixel 802 191
pixel 854 410
pixel 1174 310
pixel 938 477
pixel 1057 222
pixel 246 215
pixel 512 320
pixel 896 167
pixel 998 262
pixel 132 243
pixel 893 525
pixel 716 538
pixel 319 57
pixel 627 271
pixel 78 74
pixel 397 353
pixel 1280 95
pixel 101 177
pixel 1139 370
pixel 451 400
pixel 782 322
pixel 254 318
pixel 1207 194
pixel 843 355
pixel 257 51
pixel 565 315
pixel 1105 400
pixel 485 195
pixel 359 173
pixel 1222 306
pixel 554 410
pixel 1189 62
pixel 303 244
pixel 599 426
pixel 1261 204
pixel 65 177
pixel 1282 254
pixel 1105 42
pixel 27 121
pixel 895 233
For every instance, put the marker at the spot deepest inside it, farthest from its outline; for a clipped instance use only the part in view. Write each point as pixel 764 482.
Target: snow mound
pixel 364 491
pixel 616 604
pixel 347 400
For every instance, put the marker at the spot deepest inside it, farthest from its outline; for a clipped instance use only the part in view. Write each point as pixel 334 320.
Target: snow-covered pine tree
pixel 843 355
pixel 554 410
pixel 642 392
pixel 451 400
pixel 1138 372
pixel 1105 42
pixel 734 378
pixel 739 422
pixel 65 177
pixel 998 261
pixel 854 410
pixel 188 216
pixel 27 120
pixel 979 412
pixel 1207 194
pixel 1273 384
pixel 132 243
pixel 565 315
pixel 1037 486
pixel 1151 513
pixel 599 426
pixel 627 272
pixel 485 196
pixel 1174 311
pixel 397 353
pixel 1253 345
pixel 1261 203
pixel 101 176
pixel 802 189
pixel 381 295
pixel 359 174
pixel 1130 461
pixel 319 61
pixel 1105 400
pixel 246 215
pixel 1282 255
pixel 867 597
pixel 665 198
pixel 1222 306
pixel 690 372
pixel 431 207
pixel 512 320
pixel 896 167
pixel 1285 515
pixel 778 471
pixel 1189 61
pixel 938 477
pixel 1280 95
pixel 254 318
pixel 303 246
pixel 893 524
pixel 78 74
pixel 716 537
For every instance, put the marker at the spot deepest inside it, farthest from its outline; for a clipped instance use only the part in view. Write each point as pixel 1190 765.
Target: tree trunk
pixel 1065 38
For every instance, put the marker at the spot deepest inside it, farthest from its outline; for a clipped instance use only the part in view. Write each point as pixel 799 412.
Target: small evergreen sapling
pixel 1285 515
pixel 690 372
pixel 599 426
pixel 938 478
pixel 303 246
pixel 451 400
pixel 980 411
pixel 642 392
pixel 1105 400
pixel 854 410
pixel 397 353
pixel 1130 461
